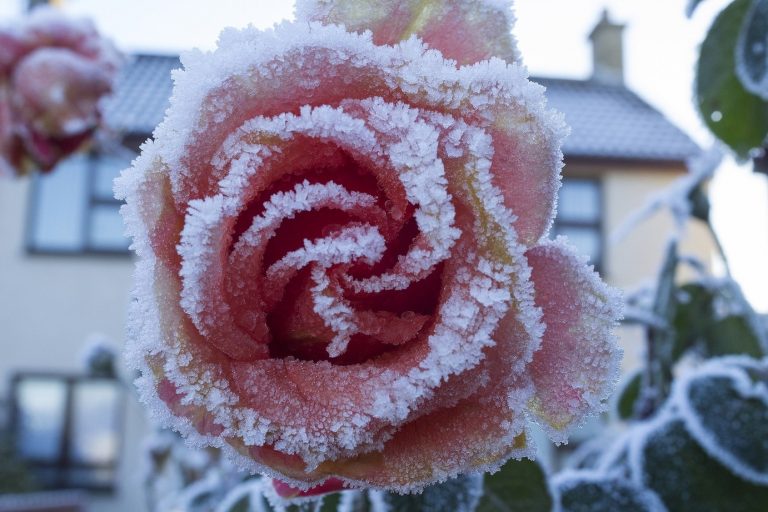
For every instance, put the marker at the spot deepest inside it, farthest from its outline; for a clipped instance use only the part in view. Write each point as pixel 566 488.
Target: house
pixel 65 268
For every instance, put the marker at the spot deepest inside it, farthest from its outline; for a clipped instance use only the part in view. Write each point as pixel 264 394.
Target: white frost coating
pixel 636 441
pixel 731 368
pixel 413 152
pixel 357 242
pixel 616 453
pixel 758 50
pixel 568 479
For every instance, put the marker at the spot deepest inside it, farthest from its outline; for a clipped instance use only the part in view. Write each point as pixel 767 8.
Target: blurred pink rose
pixel 53 73
pixel 344 277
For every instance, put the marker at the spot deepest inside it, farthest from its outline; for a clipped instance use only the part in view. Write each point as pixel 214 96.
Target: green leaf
pixel 752 50
pixel 736 116
pixel 687 479
pixel 692 318
pixel 696 325
pixel 458 495
pixel 628 395
pixel 519 486
pixel 587 491
pixel 241 505
pixel 331 502
pixel 725 408
pixel 732 335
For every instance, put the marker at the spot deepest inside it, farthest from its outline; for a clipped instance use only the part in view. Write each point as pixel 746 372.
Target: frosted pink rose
pixel 343 276
pixel 53 73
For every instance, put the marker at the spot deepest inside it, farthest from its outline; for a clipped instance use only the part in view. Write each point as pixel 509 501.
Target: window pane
pixel 60 206
pixel 41 406
pixel 94 423
pixel 90 478
pixel 579 200
pixel 106 169
pixel 107 228
pixel 586 240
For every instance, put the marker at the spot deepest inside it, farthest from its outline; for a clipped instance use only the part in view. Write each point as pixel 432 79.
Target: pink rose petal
pixel 578 362
pixel 466 31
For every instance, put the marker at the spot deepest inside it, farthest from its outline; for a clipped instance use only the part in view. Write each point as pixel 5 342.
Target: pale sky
pixel 660 52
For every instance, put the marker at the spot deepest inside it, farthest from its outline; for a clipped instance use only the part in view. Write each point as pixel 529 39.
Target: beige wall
pixel 49 305
pixel 635 259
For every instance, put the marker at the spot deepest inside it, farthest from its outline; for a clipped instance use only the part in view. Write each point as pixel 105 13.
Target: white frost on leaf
pixel 725 443
pixel 615 493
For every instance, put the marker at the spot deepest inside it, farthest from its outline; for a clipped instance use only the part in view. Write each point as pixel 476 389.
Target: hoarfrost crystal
pixel 343 275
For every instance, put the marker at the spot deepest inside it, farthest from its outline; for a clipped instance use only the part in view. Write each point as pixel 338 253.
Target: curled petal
pixel 577 365
pixel 466 31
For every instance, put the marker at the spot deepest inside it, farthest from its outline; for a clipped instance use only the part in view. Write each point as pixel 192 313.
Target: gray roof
pixel 607 121
pixel 142 94
pixel 610 121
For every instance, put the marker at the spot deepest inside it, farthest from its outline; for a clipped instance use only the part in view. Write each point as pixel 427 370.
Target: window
pixel 578 217
pixel 73 209
pixel 67 428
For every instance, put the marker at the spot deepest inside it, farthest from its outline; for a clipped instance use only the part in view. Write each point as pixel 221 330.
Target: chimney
pixel 607 51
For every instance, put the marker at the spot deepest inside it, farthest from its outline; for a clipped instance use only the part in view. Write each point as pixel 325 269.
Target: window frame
pixel 596 225
pixel 87 247
pixel 61 466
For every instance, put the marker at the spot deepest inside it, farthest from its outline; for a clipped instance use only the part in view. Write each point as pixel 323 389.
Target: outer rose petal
pixel 466 31
pixel 577 365
pixel 287 491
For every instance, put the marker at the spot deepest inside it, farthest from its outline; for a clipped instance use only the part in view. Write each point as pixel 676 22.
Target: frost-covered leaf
pixel 460 494
pixel 735 115
pixel 628 395
pixel 671 463
pixel 726 409
pixel 698 324
pixel 519 486
pixel 589 491
pixel 732 335
pixel 752 50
